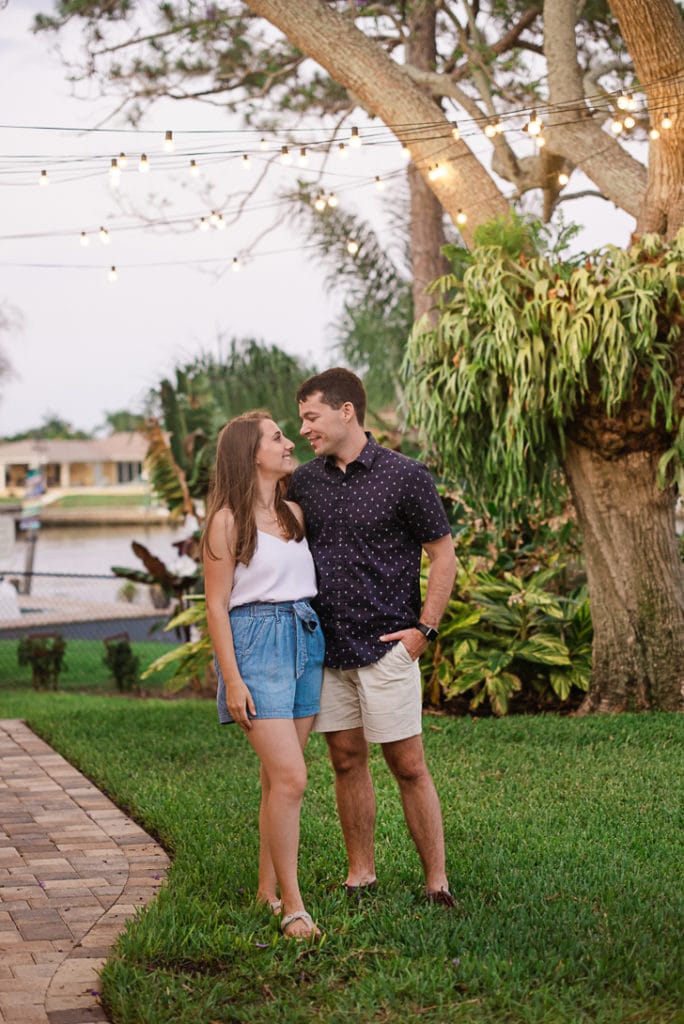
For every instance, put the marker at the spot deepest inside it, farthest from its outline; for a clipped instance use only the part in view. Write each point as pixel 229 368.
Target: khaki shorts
pixel 384 698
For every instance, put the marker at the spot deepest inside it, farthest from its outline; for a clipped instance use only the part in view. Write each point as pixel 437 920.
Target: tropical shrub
pixel 121 662
pixel 45 653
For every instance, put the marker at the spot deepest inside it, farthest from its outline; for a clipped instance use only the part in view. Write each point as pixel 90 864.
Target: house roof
pixel 122 447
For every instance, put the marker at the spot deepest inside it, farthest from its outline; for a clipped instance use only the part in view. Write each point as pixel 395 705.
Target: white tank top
pixel 280 570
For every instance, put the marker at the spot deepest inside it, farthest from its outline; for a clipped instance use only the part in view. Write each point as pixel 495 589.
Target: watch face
pixel 428 632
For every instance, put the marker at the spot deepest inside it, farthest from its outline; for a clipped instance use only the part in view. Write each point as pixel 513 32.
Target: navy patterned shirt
pixel 366 528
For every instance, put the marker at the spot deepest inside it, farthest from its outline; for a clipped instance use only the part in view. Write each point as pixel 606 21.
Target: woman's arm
pixel 218 584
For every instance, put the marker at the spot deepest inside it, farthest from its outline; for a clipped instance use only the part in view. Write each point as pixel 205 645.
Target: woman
pixel 268 645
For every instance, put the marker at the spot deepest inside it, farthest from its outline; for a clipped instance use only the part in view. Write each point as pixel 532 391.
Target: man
pixel 369 512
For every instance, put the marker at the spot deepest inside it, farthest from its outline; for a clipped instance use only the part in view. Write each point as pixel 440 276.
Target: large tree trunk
pixel 387 92
pixel 427 215
pixel 636 580
pixel 654 34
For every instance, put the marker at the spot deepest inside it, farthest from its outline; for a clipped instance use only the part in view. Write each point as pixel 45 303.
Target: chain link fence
pixel 86 610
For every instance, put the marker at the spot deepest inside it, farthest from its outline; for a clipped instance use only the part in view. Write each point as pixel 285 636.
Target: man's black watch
pixel 428 632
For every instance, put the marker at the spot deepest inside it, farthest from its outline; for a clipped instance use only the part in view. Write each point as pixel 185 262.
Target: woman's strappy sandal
pixel 300 915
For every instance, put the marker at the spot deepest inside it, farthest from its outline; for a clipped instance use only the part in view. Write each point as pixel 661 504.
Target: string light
pixel 540 140
pixel 194 169
pixel 144 164
pixel 623 102
pixel 220 223
pixel 113 275
pixel 342 151
pixel 379 183
pixel 352 247
pixel 235 266
pixel 303 157
pixel 285 156
pixel 332 200
pixel 498 126
pixel 461 218
pixel 534 125
pixel 319 202
pixel 44 180
pixel 617 126
pixel 666 122
pixel 104 236
pixel 245 163
pixel 123 160
pixel 263 145
pixel 405 152
pixel 115 172
pixel 85 241
pixel 654 134
pixel 169 144
pixel 203 224
pixel 629 122
pixel 490 130
pixel 213 218
pixel 455 133
pixel 355 138
pixel 563 178
pixel 436 172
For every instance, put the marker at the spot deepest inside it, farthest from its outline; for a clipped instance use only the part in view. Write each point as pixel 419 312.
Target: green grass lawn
pixel 564 843
pixel 101 500
pixel 83 669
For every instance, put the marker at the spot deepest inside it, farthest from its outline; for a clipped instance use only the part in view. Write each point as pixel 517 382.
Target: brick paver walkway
pixel 73 868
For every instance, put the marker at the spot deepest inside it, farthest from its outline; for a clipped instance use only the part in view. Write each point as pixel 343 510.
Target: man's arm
pixel 441 576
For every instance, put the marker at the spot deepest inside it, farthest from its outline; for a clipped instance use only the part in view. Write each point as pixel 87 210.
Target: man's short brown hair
pixel 336 386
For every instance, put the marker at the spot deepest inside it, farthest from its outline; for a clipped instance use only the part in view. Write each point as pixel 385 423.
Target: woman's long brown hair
pixel 234 486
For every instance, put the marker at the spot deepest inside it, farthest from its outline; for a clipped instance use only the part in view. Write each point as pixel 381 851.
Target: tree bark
pixel 427 216
pixel 636 580
pixel 387 92
pixel 654 35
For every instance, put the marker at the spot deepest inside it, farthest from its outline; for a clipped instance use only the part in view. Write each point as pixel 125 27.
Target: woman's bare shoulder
pixel 221 531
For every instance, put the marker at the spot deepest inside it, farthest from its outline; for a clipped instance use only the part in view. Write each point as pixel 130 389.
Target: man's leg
pixel 355 801
pixel 423 814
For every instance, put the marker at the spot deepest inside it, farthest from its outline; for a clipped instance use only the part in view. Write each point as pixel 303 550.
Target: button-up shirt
pixel 366 527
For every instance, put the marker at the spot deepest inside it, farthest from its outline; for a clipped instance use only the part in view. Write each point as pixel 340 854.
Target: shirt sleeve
pixel 422 506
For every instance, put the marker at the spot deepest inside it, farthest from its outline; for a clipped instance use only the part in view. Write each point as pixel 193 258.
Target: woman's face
pixel 274 454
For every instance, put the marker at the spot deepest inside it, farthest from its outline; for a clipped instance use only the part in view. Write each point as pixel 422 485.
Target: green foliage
pixel 121 662
pixel 523 344
pixel 191 660
pixel 519 626
pixel 45 654
pixel 52 428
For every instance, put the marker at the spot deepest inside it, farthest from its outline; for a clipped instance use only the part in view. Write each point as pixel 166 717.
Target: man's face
pixel 326 429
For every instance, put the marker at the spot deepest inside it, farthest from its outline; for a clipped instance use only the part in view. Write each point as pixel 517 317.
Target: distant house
pixel 117 459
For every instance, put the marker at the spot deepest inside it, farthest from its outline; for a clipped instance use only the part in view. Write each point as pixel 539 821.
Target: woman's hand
pixel 240 704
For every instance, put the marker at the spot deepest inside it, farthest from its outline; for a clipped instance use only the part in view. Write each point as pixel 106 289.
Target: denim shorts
pixel 279 650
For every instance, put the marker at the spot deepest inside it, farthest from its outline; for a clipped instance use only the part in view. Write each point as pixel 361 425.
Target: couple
pixel 368 512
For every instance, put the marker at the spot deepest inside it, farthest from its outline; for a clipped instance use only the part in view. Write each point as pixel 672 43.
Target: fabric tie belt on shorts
pixel 306 621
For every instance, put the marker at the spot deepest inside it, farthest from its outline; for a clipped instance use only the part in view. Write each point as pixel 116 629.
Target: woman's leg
pixel 279 743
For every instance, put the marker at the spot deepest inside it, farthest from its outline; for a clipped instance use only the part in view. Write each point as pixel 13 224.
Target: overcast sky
pixel 87 345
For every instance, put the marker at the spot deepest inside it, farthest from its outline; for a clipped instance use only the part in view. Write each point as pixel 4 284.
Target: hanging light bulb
pixel 203 224
pixel 666 122
pixel 654 134
pixel 623 102
pixel 235 266
pixel 499 126
pixel 123 160
pixel 263 145
pixel 113 275
pixel 220 223
pixel 115 172
pixel 490 130
pixel 617 126
pixel 245 163
pixel 461 218
pixel 534 125
pixel 85 241
pixel 319 202
pixel 342 151
pixel 629 122
pixel 355 138
pixel 104 236
pixel 285 156
pixel 44 180
pixel 169 144
pixel 144 164
pixel 405 152
pixel 352 247
pixel 194 169
pixel 213 218
pixel 303 157
pixel 455 133
pixel 436 172
pixel 379 183
pixel 563 178
pixel 540 140
pixel 332 200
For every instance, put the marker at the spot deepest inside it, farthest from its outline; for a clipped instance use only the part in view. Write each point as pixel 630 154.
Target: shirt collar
pixel 365 458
